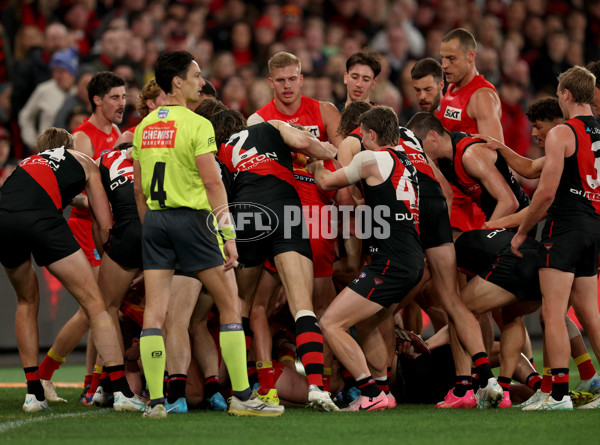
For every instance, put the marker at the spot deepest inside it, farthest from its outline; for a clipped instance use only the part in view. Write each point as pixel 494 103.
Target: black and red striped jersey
pixel 395 204
pixel 455 172
pixel 577 200
pixel 117 178
pixel 49 180
pixel 261 164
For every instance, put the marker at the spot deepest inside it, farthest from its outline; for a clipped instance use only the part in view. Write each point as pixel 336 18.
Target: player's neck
pixel 579 110
pixel 101 122
pixel 466 80
pixel 288 109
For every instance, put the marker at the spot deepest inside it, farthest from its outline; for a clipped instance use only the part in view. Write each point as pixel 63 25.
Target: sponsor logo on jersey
pixel 159 135
pixel 453 113
pixel 362 275
pixel 211 141
pixel 548 246
pixel 314 129
pixel 377 281
pixel 163 114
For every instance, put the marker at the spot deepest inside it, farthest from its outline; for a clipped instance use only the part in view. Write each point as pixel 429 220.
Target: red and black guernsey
pixel 577 200
pixel 411 145
pixel 261 164
pixel 117 178
pixel 46 181
pixel 101 143
pixel 398 195
pixel 455 172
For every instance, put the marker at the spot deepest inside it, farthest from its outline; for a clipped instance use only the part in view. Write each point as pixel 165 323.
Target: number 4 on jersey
pixel 157 191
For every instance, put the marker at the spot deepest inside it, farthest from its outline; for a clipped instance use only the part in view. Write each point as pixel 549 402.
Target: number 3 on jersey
pixel 157 191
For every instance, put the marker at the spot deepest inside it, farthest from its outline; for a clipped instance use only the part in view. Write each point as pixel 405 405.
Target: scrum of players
pixel 306 235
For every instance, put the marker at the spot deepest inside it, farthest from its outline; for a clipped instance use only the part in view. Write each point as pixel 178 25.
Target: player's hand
pixel 313 164
pixel 490 142
pixel 495 224
pixel 231 254
pixel 516 242
pixel 332 149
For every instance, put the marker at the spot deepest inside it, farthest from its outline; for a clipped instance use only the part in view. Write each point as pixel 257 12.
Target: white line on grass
pixel 4 427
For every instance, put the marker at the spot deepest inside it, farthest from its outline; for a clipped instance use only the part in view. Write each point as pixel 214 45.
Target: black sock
pixel 482 368
pixel 34 386
pixel 177 384
pixel 368 387
pixel 349 381
pixel 462 385
pixel 118 380
pixel 252 374
pixel 243 395
pixel 504 383
pixel 474 379
pixel 534 381
pixel 212 385
pixel 560 383
pixel 105 382
pixel 248 333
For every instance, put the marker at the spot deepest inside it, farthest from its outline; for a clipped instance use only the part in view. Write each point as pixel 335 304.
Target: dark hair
pixel 208 107
pixel 208 89
pixel 369 59
pixel 465 38
pixel 351 115
pixel 546 110
pixel 594 68
pixel 172 64
pixel 384 122
pixel 422 123
pixel 426 67
pixel 227 122
pixel 101 84
pixel 123 146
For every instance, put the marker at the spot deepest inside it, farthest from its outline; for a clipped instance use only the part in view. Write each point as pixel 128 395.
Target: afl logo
pixel 163 114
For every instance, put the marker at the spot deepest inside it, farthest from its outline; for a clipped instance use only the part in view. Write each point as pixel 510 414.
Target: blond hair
pixel 283 59
pixel 54 138
pixel 580 82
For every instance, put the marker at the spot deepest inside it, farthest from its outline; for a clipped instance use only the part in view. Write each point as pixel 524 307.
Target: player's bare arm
pixel 479 164
pixel 528 168
pixel 363 166
pixel 331 119
pixel 83 143
pixel 140 198
pixel 347 149
pixel 98 201
pixel 560 142
pixel 485 108
pixel 304 142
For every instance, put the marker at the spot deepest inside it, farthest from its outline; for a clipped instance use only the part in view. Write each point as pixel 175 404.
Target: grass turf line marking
pixel 4 427
pixel 56 384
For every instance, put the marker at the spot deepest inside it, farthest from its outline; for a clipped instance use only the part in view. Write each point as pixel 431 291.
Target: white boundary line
pixel 7 426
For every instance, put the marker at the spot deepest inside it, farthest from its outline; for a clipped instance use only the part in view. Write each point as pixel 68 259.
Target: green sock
pixel 233 350
pixel 152 352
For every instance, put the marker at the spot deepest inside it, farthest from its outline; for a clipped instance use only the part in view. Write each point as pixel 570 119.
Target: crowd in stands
pixel 48 51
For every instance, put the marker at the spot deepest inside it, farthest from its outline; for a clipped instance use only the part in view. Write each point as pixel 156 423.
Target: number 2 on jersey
pixel 157 191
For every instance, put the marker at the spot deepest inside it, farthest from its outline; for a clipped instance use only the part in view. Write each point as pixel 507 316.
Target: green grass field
pixel 407 424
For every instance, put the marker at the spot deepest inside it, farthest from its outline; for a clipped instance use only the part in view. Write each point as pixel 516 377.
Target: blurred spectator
pixel 223 66
pixel 398 53
pixel 241 43
pixel 34 69
pixel 78 99
pixel 535 39
pixel 594 67
pixel 141 24
pixel 489 33
pixel 410 103
pixel 264 35
pixel 6 167
pixel 76 118
pixel 515 125
pixel 113 46
pixel 551 63
pixel 42 107
pixel 233 93
pixel 259 95
pixel 82 24
pixel 334 35
pixel 126 69
pixel 315 40
pixel 488 65
pixel 5 57
pixel 5 107
pixel 515 16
